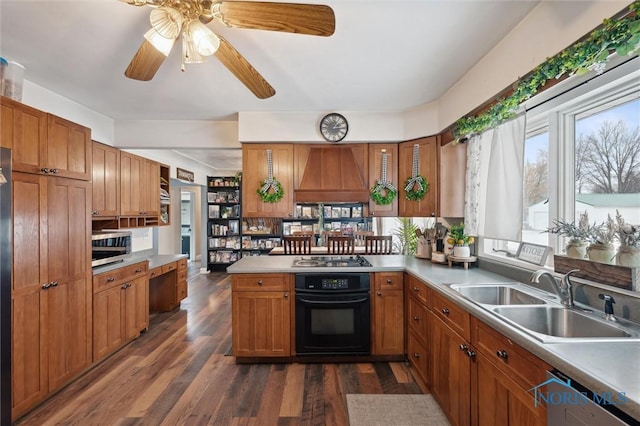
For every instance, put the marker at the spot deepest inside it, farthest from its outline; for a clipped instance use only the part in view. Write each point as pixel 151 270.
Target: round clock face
pixel 334 127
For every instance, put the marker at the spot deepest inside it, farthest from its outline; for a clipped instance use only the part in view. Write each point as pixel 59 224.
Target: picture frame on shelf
pixel 214 211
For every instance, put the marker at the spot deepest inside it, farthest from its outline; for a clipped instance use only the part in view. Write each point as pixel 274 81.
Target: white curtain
pixel 493 197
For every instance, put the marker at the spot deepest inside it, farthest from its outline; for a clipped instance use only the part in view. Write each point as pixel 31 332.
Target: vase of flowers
pixel 460 241
pixel 577 234
pixel 601 236
pixel 628 253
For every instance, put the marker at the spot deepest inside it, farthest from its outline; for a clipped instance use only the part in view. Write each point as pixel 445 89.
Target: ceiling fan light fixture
pixel 190 54
pixel 162 44
pixel 206 41
pixel 166 21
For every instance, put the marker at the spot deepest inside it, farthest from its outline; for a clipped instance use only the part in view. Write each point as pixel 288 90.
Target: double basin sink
pixel 540 314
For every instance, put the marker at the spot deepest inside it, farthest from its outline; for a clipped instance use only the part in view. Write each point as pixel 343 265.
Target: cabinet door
pixel 69 271
pixel 428 168
pixel 254 170
pixel 453 165
pixel 130 187
pixel 107 321
pixel 418 356
pixel 106 180
pixel 28 310
pixel 375 173
pixel 24 130
pixel 388 322
pixel 261 323
pixel 68 149
pixel 150 187
pixel 501 401
pixel 450 372
pixel 136 310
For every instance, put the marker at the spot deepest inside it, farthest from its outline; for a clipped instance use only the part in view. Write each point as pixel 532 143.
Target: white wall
pixel 173 134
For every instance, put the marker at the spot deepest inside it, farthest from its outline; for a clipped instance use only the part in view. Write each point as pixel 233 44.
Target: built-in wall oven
pixel 110 247
pixel 333 314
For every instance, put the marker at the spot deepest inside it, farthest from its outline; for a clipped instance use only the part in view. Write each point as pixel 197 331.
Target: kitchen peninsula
pixel 600 367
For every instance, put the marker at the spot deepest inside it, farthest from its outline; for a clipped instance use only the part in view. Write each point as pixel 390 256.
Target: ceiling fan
pixel 171 19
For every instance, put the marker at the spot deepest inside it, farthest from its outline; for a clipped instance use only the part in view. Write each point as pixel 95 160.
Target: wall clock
pixel 334 127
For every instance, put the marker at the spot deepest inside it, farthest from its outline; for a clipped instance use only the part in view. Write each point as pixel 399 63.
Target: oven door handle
pixel 333 302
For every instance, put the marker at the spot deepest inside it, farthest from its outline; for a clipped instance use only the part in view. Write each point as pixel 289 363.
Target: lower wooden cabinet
pixel 181 286
pixel 261 315
pixel 418 356
pixel 387 325
pixel 120 307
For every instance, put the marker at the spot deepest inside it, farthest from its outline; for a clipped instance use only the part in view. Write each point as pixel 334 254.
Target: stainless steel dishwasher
pixel 571 404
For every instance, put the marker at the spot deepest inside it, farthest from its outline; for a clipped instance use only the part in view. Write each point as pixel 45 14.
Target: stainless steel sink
pixel 493 294
pixel 549 322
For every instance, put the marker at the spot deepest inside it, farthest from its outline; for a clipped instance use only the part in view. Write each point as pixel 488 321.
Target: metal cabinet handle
pixel 259 282
pixel 123 286
pixel 502 354
pixel 445 311
pixel 286 295
pixel 379 293
pixel 416 289
pixel 416 318
pixel 471 354
pixel 46 286
pixel 54 284
pixel 54 171
pixel 94 212
pixel 110 279
pixel 138 270
pixel 45 170
pixel 389 281
pixel 463 347
pixel 416 355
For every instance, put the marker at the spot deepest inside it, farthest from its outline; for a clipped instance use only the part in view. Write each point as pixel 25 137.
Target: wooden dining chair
pixel 359 237
pixel 327 234
pixel 299 244
pixel 305 234
pixel 378 244
pixel 340 245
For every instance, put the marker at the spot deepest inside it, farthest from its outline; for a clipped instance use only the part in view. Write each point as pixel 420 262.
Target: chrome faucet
pixel 564 290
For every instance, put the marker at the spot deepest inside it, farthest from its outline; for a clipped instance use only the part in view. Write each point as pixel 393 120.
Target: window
pixel 582 153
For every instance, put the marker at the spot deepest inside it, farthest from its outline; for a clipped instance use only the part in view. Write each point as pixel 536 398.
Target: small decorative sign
pixel 533 253
pixel 183 174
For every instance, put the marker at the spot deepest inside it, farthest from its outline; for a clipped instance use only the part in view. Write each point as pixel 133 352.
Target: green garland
pixel 416 194
pixel 620 36
pixel 271 197
pixel 382 196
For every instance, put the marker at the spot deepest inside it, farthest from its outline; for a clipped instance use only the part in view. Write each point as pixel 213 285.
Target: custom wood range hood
pixel 335 173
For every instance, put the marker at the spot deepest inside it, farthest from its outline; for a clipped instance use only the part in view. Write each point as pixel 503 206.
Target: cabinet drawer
pixel 516 362
pixel 451 314
pixel 107 280
pixel 169 267
pixel 418 289
pixel 417 318
pixel 181 290
pixel 182 276
pixel 155 272
pixel 134 271
pixel 257 282
pixel 182 264
pixel 418 356
pixel 388 281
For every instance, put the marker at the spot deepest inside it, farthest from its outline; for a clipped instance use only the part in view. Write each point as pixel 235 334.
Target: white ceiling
pixel 384 56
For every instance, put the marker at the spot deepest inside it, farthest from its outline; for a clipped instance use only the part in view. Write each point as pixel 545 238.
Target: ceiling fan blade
pixel 242 69
pixel 145 62
pixel 312 19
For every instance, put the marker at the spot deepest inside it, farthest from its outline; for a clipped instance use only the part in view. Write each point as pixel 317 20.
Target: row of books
pixel 224 212
pixel 289 228
pixel 223 181
pixel 225 242
pixel 313 212
pixel 232 228
pixel 224 197
pixel 222 256
pixel 249 243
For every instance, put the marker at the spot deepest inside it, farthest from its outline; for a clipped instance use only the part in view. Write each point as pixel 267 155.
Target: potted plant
pixel 629 237
pixel 577 234
pixel 406 240
pixel 601 236
pixel 460 240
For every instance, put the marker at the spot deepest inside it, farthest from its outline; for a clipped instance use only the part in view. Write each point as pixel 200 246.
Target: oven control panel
pixel 335 283
pixel 332 282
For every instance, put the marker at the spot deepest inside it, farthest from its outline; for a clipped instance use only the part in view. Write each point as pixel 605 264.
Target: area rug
pixel 397 410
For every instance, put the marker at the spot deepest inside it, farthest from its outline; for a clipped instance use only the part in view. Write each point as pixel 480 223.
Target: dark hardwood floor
pixel 177 373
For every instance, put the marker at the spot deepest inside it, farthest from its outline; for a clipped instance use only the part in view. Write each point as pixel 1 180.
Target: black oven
pixel 333 314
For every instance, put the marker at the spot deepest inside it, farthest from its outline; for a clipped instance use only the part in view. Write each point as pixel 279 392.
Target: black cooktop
pixel 330 261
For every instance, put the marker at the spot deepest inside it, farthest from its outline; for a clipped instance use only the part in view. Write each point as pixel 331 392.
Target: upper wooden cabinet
pixel 139 186
pixel 428 167
pixel 254 170
pixel 44 143
pixel 106 181
pixel 453 166
pixel 375 173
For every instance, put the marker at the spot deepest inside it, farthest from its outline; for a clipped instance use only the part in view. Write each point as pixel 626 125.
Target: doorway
pixel 187 222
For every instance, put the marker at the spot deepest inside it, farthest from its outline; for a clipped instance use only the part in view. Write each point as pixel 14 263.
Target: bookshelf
pixel 224 233
pixel 344 217
pixel 260 235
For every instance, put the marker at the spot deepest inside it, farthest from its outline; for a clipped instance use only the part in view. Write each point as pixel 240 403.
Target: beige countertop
pixel 599 366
